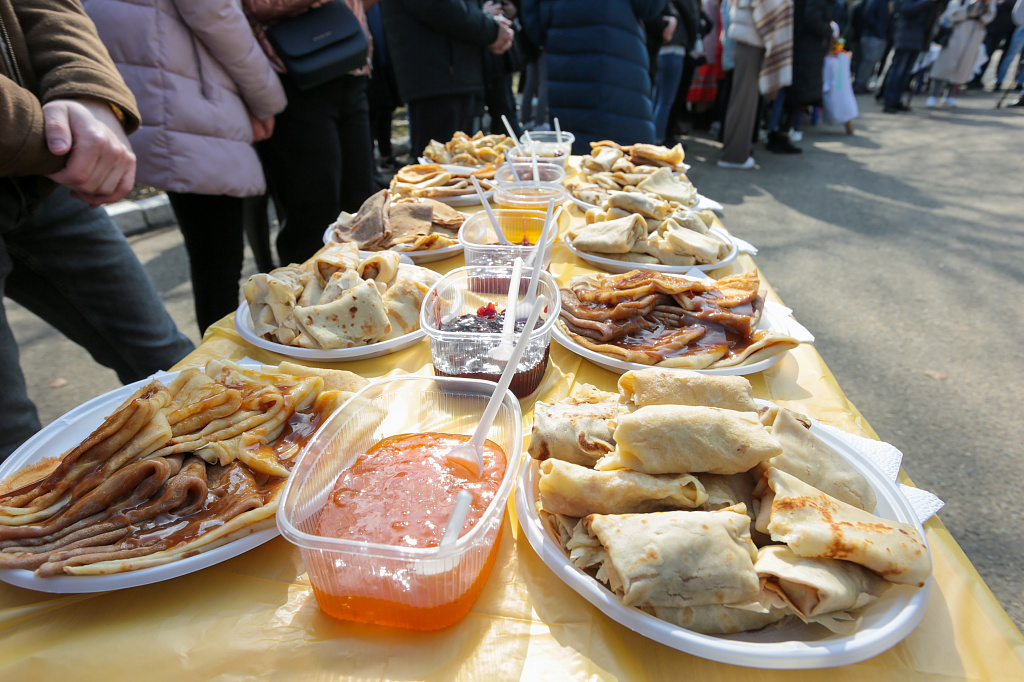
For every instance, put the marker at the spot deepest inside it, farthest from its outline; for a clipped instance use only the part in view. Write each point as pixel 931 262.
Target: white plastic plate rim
pixel 892 617
pixel 702 203
pixel 67 432
pixel 464 200
pixel 620 266
pixel 243 325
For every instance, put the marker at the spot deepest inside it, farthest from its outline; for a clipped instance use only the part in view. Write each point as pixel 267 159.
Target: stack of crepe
pixel 639 227
pixel 692 504
pixel 652 318
pixel 432 181
pixel 645 168
pixel 399 224
pixel 174 471
pixel 463 150
pixel 338 299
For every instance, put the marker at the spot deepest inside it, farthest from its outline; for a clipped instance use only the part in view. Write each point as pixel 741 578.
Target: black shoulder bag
pixel 320 44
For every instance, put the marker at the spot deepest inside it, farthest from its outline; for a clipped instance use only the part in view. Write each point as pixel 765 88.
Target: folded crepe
pixel 612 236
pixel 817 525
pixel 663 183
pixel 369 229
pixel 807 457
pixel 381 267
pixel 357 318
pixel 575 490
pixel 824 591
pixel 705 248
pixel 334 257
pixel 403 299
pixel 646 205
pixel 720 619
pixel 575 433
pixel 676 558
pixel 668 439
pixel 653 154
pixel 656 386
pixel 411 219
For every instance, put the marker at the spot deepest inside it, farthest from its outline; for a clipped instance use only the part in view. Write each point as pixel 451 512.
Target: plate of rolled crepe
pixel 672 555
pixel 723 253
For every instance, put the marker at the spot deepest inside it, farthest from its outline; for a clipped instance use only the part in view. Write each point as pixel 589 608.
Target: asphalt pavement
pixel 901 247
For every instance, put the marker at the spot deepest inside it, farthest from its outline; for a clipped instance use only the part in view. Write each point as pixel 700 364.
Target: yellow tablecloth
pixel 255 616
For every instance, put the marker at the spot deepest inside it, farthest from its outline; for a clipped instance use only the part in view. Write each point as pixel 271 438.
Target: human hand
pixel 493 8
pixel 670 28
pixel 101 164
pixel 261 130
pixel 505 37
pixel 509 9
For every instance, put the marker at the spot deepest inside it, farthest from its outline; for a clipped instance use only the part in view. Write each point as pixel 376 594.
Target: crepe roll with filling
pixel 677 558
pixel 656 386
pixel 817 525
pixel 671 439
pixel 666 186
pixel 580 434
pixel 720 619
pixel 706 248
pixel 639 202
pixel 823 591
pixel 807 457
pixel 609 236
pixel 575 490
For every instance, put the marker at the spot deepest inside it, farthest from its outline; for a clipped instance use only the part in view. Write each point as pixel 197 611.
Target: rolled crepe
pixel 706 248
pixel 805 456
pixel 821 591
pixel 357 318
pixel 610 236
pixel 719 619
pixel 381 267
pixel 574 490
pixel 690 219
pixel 677 558
pixel 638 202
pixel 656 386
pixel 580 434
pixel 817 525
pixel 668 439
pixel 404 297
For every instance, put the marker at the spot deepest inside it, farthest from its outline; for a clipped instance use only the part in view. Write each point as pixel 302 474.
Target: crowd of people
pixel 221 123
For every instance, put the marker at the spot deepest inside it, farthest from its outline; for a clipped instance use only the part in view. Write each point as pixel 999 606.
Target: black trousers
pixel 318 162
pixel 438 118
pixel 212 229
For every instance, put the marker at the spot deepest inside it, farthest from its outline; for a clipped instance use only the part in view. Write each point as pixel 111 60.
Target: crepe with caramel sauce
pixel 652 318
pixel 174 471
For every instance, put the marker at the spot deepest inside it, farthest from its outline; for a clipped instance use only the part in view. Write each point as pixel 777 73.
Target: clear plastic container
pixel 545 143
pixel 480 242
pixel 478 355
pixel 546 172
pixel 408 587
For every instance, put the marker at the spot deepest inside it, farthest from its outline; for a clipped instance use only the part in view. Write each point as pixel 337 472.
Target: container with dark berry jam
pixel 463 315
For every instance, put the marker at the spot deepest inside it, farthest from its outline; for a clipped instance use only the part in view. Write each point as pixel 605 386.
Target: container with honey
pixel 522 229
pixel 369 497
pixel 521 197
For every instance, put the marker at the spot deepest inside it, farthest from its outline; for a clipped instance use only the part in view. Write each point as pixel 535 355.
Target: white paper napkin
pixel 889 458
pixel 782 320
pixel 744 246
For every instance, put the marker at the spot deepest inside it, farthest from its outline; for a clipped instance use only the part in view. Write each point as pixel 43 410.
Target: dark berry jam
pixel 524 383
pixel 486 320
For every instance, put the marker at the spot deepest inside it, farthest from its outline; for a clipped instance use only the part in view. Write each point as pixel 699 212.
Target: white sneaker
pixel 749 163
pixel 950 102
pixel 795 135
pixel 930 102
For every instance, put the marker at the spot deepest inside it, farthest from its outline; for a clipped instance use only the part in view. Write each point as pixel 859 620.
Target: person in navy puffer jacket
pixel 598 78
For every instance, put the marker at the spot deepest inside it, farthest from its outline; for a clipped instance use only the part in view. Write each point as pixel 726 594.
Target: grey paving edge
pixel 136 217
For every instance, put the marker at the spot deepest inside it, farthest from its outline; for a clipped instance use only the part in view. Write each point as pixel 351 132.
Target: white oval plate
pixel 798 646
pixel 66 433
pixel 768 321
pixel 243 325
pixel 702 203
pixel 409 257
pixel 621 266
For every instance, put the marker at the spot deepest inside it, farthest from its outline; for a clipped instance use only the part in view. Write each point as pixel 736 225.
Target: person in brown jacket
pixel 65 115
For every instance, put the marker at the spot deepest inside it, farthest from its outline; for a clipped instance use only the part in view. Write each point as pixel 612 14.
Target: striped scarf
pixel 774 22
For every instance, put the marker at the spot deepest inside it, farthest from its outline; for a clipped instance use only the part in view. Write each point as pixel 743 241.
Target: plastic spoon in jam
pixel 508 326
pixel 470 455
pixel 490 214
pixel 457 519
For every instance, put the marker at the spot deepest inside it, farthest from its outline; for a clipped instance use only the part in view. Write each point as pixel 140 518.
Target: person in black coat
pixel 437 51
pixel 914 22
pixel 812 34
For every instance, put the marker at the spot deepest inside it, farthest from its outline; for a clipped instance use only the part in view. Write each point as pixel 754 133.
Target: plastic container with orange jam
pixel 401 579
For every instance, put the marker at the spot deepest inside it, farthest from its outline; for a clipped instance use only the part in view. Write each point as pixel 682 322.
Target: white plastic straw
pixel 515 140
pixel 533 161
pixel 558 131
pixel 487 208
pixel 537 259
pixel 508 328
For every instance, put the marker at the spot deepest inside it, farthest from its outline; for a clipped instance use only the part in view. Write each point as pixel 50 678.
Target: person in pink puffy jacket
pixel 206 92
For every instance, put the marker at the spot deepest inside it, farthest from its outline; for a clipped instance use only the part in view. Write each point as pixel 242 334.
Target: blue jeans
pixel 1015 48
pixel 898 77
pixel 70 265
pixel 666 82
pixel 872 50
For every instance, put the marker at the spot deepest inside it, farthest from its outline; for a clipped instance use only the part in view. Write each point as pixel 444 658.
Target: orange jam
pixel 401 493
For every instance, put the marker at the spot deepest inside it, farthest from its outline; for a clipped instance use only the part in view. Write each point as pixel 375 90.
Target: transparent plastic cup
pixel 529 196
pixel 546 145
pixel 546 172
pixel 476 354
pixel 480 242
pixel 420 588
